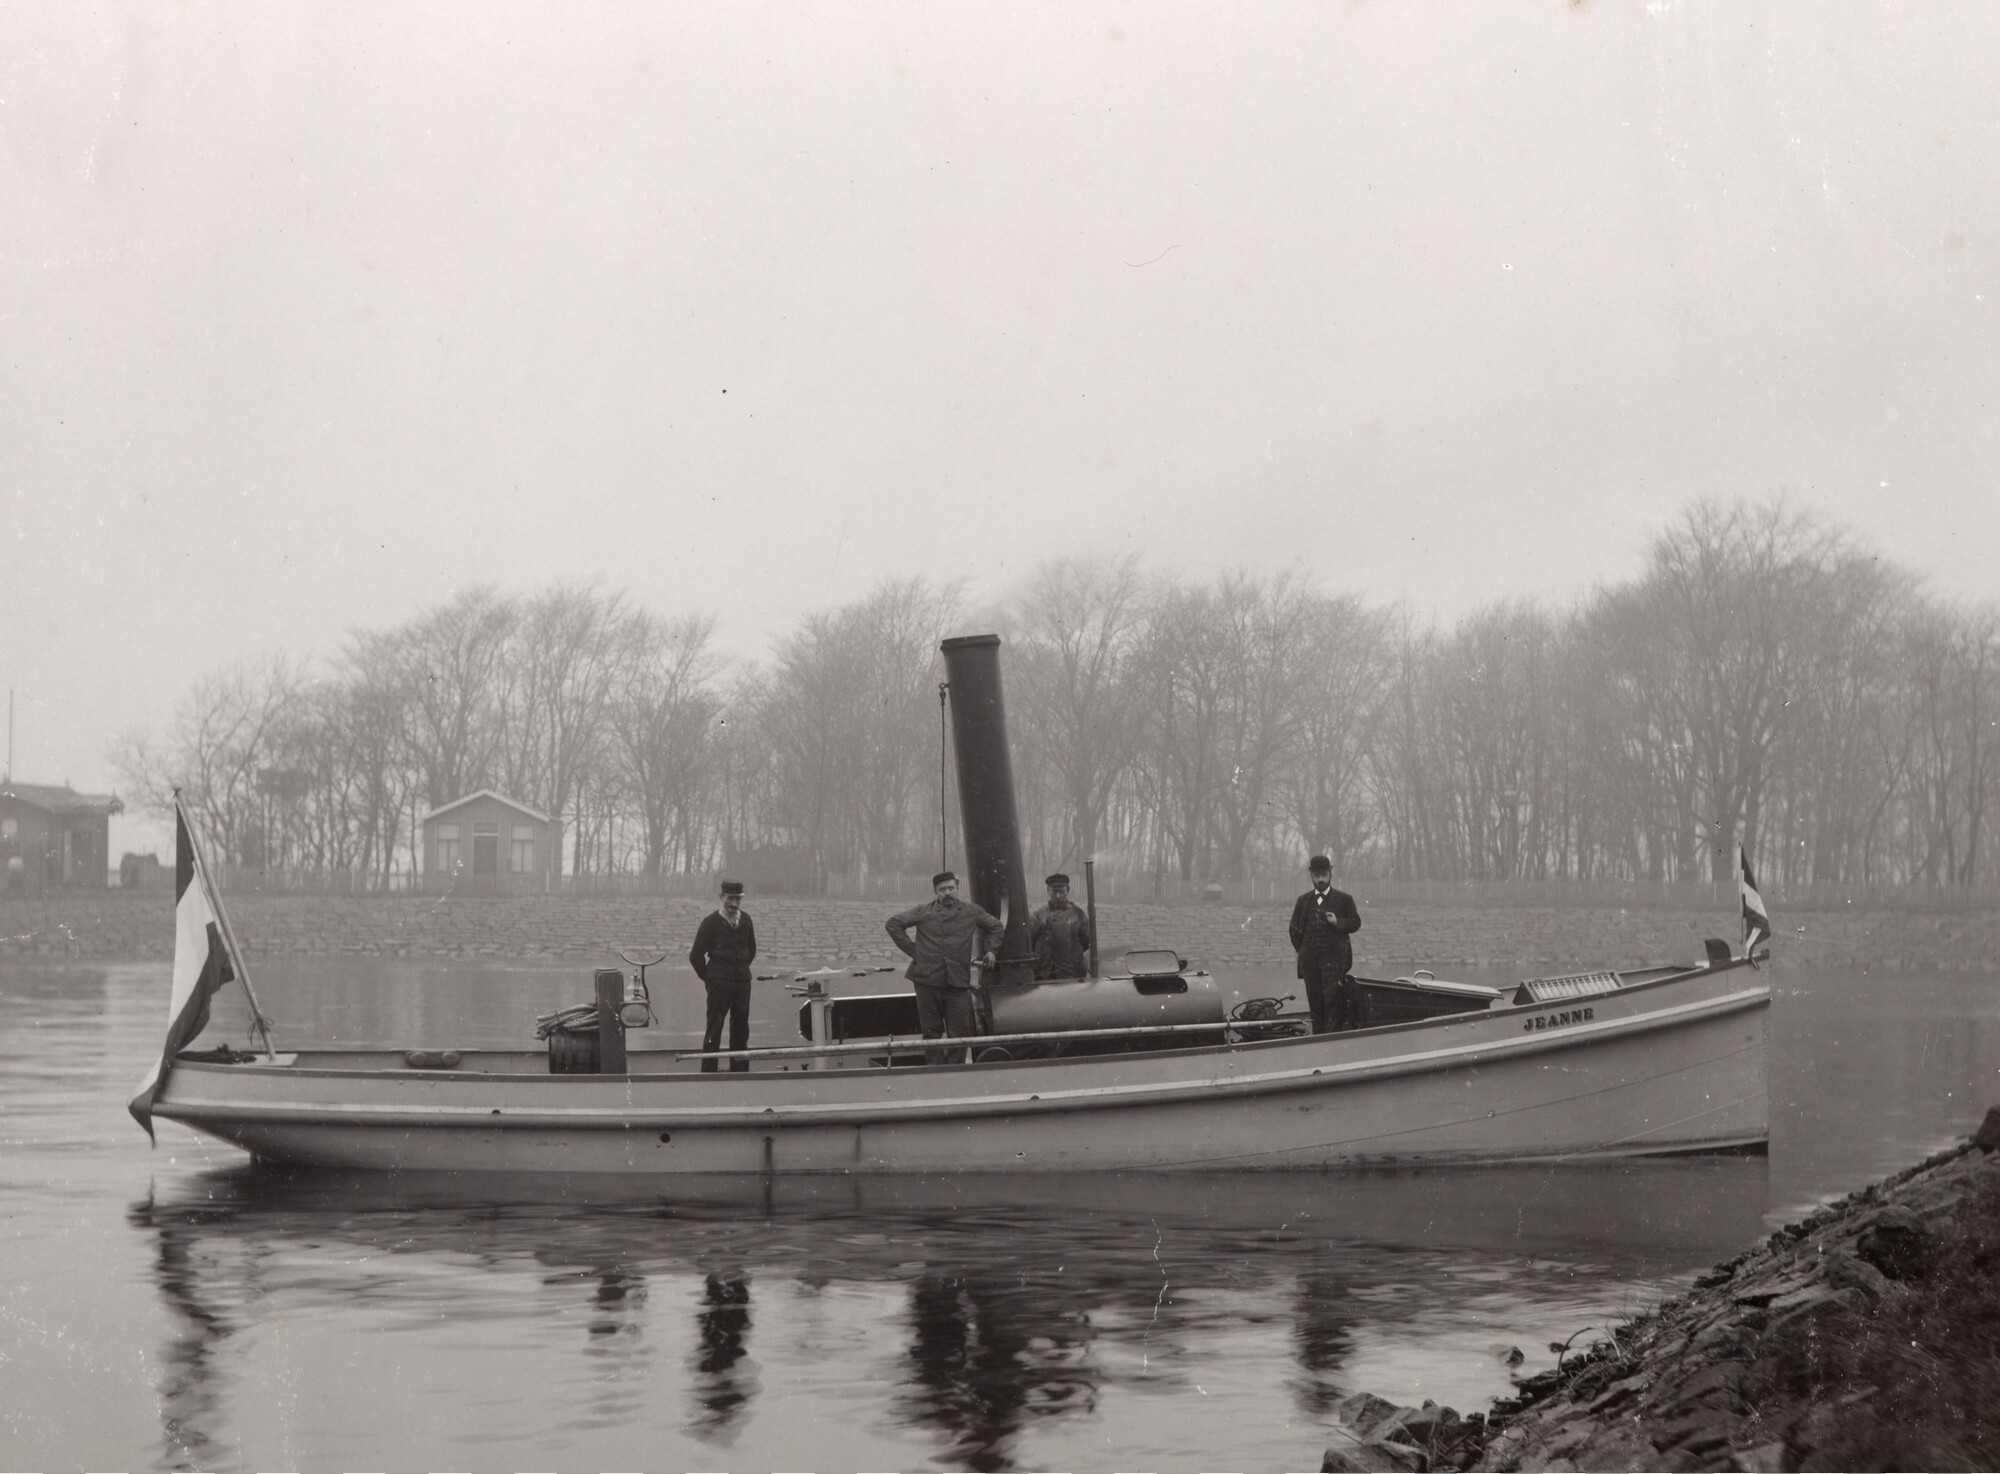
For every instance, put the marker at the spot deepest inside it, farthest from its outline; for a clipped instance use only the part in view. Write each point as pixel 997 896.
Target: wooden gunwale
pixel 632 1115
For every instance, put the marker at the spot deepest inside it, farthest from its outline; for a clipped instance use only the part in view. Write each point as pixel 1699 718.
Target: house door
pixel 486 849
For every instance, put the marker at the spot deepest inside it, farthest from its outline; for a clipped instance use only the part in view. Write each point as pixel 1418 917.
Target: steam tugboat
pixel 1141 1067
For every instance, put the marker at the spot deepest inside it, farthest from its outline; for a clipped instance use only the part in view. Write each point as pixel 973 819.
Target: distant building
pixel 487 844
pixel 54 838
pixel 142 873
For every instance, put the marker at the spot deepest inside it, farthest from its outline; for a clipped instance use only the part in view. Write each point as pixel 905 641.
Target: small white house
pixel 487 844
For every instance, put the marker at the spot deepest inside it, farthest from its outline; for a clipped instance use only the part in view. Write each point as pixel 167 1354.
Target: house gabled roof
pixel 459 803
pixel 65 800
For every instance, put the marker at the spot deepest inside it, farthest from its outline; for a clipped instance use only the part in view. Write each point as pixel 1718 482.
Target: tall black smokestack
pixel 986 794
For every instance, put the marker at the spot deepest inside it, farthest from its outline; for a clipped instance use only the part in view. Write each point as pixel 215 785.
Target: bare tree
pixel 1078 700
pixel 1180 665
pixel 1951 661
pixel 661 724
pixel 1343 687
pixel 1719 636
pixel 451 659
pixel 1840 764
pixel 744 772
pixel 563 661
pixel 808 718
pixel 378 690
pixel 848 713
pixel 898 629
pixel 1263 626
pixel 1763 678
pixel 227 728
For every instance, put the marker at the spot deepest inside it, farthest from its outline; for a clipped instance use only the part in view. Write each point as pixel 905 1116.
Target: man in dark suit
pixel 725 944
pixel 1322 921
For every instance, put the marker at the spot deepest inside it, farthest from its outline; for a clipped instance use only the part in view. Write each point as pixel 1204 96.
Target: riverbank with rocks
pixel 1865 1337
pixel 1396 936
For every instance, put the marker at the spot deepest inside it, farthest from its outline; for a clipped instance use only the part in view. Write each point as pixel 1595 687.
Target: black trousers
pixel 942 1011
pixel 1329 994
pixel 730 1001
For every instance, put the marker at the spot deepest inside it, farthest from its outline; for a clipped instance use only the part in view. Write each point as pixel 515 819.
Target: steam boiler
pixel 1149 988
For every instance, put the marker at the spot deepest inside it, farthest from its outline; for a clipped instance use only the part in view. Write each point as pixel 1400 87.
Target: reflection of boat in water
pixel 1649 1217
pixel 993 1305
pixel 1138 1071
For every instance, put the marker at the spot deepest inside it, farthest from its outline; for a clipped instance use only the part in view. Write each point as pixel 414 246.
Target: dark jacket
pixel 1321 925
pixel 723 953
pixel 1061 940
pixel 942 954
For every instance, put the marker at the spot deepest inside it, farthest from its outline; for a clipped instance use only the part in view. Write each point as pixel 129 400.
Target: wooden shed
pixel 487 844
pixel 54 838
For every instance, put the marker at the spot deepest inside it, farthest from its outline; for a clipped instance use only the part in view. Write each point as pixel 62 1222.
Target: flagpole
pixel 228 932
pixel 1756 915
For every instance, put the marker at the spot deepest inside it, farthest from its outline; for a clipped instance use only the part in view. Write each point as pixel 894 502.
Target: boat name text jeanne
pixel 1556 1020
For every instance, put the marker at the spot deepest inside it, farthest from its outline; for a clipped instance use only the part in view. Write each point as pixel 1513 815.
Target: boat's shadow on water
pixel 1022 1298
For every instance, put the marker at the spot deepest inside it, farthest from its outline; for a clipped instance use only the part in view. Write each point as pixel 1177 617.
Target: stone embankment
pixel 1865 1337
pixel 1395 937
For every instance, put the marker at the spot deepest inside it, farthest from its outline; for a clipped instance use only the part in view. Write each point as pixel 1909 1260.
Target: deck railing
pixel 1259 891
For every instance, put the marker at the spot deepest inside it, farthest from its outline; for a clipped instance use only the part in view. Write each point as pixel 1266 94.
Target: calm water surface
pixel 172 1307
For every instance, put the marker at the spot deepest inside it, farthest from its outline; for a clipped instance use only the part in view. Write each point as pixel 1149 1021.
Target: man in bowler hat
pixel 725 944
pixel 1322 921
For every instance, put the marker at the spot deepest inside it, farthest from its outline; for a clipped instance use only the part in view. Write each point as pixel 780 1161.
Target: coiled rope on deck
pixel 578 1018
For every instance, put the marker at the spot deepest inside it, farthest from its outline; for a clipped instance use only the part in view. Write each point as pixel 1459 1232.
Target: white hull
pixel 1676 1065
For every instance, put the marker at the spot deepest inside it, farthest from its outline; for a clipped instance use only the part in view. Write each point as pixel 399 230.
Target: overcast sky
pixel 311 315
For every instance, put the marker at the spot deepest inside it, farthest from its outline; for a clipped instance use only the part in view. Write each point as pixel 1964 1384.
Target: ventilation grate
pixel 1576 985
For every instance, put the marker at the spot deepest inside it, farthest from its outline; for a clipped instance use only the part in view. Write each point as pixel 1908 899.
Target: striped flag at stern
pixel 201 965
pixel 1756 920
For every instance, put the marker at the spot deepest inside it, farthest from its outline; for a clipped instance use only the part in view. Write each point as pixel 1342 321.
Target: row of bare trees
pixel 1765 678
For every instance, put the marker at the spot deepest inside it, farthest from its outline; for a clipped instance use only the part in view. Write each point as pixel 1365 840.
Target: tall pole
pixel 944 687
pixel 235 948
pixel 1090 903
pixel 10 734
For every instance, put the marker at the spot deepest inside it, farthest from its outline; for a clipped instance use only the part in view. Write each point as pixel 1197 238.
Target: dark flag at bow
pixel 201 965
pixel 1756 920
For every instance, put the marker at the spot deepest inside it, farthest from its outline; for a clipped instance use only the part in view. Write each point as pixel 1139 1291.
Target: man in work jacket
pixel 725 944
pixel 941 958
pixel 1322 921
pixel 1059 934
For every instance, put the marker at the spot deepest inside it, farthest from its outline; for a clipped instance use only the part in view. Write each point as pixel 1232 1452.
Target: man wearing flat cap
pixel 1322 921
pixel 1060 934
pixel 725 944
pixel 941 958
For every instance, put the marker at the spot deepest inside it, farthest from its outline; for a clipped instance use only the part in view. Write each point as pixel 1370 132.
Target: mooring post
pixel 610 1021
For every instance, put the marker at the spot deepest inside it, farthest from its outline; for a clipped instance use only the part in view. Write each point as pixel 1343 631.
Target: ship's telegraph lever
pixel 636 1011
pixel 815 984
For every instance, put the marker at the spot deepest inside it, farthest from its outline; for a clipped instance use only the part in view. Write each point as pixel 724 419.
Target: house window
pixel 523 859
pixel 485 849
pixel 447 842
